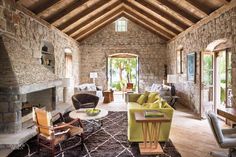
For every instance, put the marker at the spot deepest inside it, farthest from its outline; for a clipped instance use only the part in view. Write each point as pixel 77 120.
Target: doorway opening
pixel 123 72
pixel 216 86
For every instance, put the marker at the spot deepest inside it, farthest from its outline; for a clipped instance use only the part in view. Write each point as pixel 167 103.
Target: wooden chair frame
pixel 50 143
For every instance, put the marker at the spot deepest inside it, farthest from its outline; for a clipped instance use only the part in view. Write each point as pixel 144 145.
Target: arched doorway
pixel 216 85
pixel 122 71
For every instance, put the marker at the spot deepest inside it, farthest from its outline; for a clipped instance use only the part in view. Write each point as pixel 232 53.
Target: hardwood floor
pixel 192 137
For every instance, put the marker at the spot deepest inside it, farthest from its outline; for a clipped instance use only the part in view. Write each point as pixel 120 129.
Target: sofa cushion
pixel 142 99
pixel 151 97
pixel 155 105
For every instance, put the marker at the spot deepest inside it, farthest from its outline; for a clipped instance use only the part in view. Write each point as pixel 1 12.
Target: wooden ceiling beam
pixel 98 22
pixel 82 14
pixel 45 6
pixel 136 21
pixel 153 18
pixel 48 8
pixel 96 28
pixel 89 20
pixel 223 1
pixel 179 11
pixel 163 14
pixel 200 7
pixel 54 18
pixel 158 29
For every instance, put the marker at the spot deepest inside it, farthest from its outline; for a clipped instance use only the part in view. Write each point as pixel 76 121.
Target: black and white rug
pixel 110 140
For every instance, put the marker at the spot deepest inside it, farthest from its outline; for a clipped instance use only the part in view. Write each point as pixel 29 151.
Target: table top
pixel 81 114
pixel 229 113
pixel 140 117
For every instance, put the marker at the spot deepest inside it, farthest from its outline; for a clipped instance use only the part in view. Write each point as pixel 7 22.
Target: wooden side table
pixel 108 96
pixel 151 130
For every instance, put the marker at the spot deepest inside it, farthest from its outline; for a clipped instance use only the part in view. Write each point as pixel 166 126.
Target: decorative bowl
pixel 93 112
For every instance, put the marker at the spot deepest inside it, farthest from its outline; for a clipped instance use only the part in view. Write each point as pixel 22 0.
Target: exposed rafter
pixel 200 7
pixel 150 16
pixel 140 23
pixel 45 6
pixel 223 1
pixel 89 20
pixel 179 10
pixel 54 18
pixel 82 14
pixel 98 22
pixel 96 27
pixel 158 29
pixel 167 16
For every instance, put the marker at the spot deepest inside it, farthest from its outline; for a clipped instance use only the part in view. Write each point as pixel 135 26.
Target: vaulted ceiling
pixel 81 18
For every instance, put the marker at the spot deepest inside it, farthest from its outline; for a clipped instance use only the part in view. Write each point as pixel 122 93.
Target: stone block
pixel 14 107
pixel 7 14
pixel 2 24
pixel 1 118
pixel 4 107
pixel 10 27
pixel 10 117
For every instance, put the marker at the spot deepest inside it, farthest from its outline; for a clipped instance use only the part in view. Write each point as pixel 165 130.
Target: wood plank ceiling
pixel 81 18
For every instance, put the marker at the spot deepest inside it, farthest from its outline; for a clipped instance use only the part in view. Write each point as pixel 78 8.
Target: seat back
pixel 42 118
pixel 215 127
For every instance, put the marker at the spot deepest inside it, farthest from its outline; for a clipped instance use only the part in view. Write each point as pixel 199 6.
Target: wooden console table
pixel 151 130
pixel 228 113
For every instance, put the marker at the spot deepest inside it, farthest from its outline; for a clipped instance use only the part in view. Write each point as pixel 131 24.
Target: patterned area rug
pixel 110 140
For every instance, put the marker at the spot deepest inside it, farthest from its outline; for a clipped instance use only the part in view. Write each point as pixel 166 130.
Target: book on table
pixel 153 113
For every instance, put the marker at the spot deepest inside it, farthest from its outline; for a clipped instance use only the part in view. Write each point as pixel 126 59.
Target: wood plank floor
pixel 192 137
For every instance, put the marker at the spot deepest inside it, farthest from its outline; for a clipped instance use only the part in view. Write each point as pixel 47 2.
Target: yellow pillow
pixel 142 99
pixel 146 93
pixel 155 105
pixel 157 97
pixel 151 97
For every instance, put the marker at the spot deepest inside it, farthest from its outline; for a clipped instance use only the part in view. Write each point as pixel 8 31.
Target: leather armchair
pixel 84 100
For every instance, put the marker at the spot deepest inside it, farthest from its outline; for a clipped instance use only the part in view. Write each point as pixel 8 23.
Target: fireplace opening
pixel 42 99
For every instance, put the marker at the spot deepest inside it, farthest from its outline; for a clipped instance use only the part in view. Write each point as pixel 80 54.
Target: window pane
pixel 121 25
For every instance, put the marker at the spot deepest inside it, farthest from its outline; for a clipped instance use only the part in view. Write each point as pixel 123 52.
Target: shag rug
pixel 110 140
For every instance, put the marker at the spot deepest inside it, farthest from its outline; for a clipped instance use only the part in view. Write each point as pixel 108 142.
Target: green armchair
pixel 135 129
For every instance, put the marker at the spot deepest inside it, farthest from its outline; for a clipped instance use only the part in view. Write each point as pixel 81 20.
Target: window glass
pixel 121 25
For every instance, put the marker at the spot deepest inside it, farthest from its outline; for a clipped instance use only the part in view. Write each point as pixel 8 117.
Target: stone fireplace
pixel 42 99
pixel 16 105
pixel 23 79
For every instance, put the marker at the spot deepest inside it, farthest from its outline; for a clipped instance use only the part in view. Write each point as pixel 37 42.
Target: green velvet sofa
pixel 135 129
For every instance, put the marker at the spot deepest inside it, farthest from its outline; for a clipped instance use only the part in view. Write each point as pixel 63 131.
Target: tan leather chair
pixel 50 136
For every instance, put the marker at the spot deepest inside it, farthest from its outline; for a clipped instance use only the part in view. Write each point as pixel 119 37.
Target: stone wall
pixel 137 40
pixel 22 38
pixel 223 26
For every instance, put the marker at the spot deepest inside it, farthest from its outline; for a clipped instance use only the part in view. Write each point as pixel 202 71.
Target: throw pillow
pixel 142 99
pixel 151 97
pixel 155 105
pixel 146 93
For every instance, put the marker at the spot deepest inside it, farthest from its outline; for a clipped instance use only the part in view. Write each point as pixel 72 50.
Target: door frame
pixel 202 112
